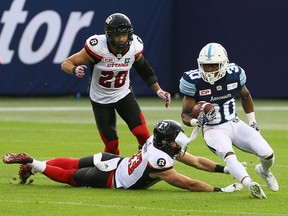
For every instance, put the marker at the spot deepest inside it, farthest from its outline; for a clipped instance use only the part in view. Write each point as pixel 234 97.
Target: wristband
pixel 251 117
pixel 158 91
pixel 194 122
pixel 219 168
pixel 216 189
pixel 74 70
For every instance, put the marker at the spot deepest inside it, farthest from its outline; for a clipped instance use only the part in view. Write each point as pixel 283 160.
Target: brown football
pixel 196 109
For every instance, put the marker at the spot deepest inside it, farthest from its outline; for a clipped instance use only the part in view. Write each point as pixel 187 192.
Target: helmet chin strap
pixel 211 76
pixel 116 51
pixel 118 47
pixel 176 150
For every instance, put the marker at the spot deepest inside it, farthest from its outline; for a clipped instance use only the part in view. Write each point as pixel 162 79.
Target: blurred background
pixel 35 36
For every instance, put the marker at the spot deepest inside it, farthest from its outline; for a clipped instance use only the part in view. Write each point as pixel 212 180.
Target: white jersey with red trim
pixel 134 172
pixel 110 79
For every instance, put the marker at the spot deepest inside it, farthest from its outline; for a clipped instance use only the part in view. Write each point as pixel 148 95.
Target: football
pixel 196 109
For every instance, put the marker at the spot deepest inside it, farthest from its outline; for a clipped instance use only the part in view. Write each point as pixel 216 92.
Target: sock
pixel 64 163
pixel 60 175
pixel 237 170
pixel 37 166
pixel 266 164
pixel 112 147
pixel 246 182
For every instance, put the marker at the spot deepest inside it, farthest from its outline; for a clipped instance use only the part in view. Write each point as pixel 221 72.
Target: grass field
pixel 64 126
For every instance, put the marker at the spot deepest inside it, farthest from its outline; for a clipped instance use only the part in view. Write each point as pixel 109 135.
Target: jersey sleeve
pixel 187 86
pixel 242 77
pixel 93 47
pixel 159 161
pixel 237 72
pixel 138 45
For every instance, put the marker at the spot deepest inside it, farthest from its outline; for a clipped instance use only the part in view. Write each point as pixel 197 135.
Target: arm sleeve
pixel 145 71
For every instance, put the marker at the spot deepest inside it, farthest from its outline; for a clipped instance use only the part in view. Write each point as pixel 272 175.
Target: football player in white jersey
pixel 219 82
pixel 111 56
pixel 154 162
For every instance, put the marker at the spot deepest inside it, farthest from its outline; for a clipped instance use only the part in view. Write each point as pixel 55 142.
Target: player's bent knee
pixel 269 157
pixel 228 154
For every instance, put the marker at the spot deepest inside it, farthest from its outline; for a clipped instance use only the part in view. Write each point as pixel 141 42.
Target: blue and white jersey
pixel 222 94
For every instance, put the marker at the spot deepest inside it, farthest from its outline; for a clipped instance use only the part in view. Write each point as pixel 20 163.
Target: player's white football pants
pixel 220 139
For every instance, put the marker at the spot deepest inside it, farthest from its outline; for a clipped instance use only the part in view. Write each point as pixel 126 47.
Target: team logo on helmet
pixel 109 19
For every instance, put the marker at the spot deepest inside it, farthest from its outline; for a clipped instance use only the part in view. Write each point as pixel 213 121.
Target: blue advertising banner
pixel 35 37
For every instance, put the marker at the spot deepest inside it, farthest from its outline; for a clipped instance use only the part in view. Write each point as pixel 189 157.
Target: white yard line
pixel 152 108
pixel 223 212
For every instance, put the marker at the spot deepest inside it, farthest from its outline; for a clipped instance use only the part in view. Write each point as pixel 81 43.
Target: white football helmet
pixel 213 53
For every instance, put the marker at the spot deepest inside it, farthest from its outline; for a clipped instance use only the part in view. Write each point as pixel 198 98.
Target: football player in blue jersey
pixel 219 82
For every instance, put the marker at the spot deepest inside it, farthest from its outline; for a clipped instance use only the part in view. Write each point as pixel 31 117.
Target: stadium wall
pixel 35 36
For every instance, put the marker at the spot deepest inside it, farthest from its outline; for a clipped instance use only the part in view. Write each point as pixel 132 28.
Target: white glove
pixel 252 121
pixel 226 171
pixel 232 188
pixel 165 96
pixel 79 71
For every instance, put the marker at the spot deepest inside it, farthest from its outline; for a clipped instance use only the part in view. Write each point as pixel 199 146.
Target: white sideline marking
pixel 153 108
pixel 32 109
pixel 139 207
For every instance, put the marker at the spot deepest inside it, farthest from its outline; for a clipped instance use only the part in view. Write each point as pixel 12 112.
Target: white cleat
pixel 257 191
pixel 270 180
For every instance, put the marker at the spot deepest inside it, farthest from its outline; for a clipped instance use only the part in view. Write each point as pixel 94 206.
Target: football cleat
pixel 257 191
pixel 270 180
pixel 24 173
pixel 21 158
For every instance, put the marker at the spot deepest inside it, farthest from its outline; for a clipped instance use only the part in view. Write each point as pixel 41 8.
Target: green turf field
pixel 64 126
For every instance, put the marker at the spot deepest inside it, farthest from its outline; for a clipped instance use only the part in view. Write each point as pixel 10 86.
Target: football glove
pixel 232 188
pixel 252 121
pixel 165 96
pixel 79 71
pixel 255 126
pixel 205 118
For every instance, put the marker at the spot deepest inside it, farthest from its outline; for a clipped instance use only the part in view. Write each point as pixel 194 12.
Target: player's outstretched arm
pixel 200 163
pixel 176 179
pixel 205 164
